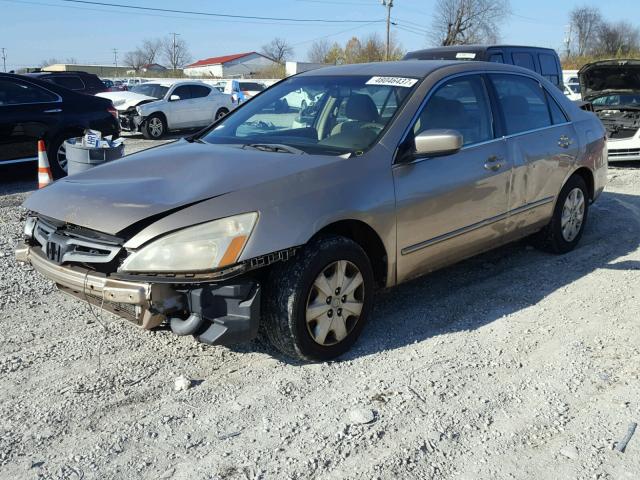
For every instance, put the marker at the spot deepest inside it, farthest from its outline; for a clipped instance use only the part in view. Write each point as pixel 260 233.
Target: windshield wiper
pixel 273 147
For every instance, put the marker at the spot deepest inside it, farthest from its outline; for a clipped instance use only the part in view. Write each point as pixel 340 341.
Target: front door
pixel 453 206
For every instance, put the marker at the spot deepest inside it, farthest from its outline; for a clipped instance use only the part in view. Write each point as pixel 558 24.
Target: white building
pixel 238 65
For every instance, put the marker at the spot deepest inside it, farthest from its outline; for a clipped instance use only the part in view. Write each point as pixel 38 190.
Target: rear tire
pixel 567 225
pixel 56 154
pixel 154 127
pixel 221 113
pixel 317 304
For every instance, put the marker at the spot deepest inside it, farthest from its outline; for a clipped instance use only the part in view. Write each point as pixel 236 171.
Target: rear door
pixel 452 206
pixel 27 113
pixel 541 143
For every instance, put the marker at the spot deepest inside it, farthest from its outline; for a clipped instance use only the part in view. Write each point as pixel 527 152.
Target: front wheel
pixel 154 127
pixel 317 304
pixel 569 218
pixel 57 155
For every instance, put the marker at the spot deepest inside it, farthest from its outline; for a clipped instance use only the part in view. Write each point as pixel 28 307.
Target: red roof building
pixel 230 66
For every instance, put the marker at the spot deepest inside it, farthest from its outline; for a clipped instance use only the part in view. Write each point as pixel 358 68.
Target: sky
pixel 34 30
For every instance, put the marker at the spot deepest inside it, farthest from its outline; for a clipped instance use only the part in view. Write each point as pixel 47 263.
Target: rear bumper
pixel 230 311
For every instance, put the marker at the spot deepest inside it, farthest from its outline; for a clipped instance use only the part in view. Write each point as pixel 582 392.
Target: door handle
pixel 493 163
pixel 564 141
pixel 53 110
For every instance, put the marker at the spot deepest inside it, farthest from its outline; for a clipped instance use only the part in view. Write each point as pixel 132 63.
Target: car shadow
pixel 480 290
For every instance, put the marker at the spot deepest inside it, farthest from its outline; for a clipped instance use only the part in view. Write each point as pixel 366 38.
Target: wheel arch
pixel 588 177
pixel 365 236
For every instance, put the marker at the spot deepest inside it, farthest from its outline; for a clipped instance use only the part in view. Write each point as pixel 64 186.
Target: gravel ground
pixel 512 365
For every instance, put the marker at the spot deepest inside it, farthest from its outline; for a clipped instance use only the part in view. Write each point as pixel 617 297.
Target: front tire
pixel 154 128
pixel 317 304
pixel 569 218
pixel 57 155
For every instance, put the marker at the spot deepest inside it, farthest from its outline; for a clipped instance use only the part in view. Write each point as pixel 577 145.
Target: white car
pixel 301 99
pixel 154 108
pixel 251 89
pixel 572 91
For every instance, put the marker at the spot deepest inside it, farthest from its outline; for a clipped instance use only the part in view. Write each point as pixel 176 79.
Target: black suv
pixel 80 82
pixel 31 109
pixel 544 61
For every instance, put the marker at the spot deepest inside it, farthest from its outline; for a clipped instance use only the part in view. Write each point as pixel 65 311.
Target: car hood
pixel 607 76
pixel 148 185
pixel 125 100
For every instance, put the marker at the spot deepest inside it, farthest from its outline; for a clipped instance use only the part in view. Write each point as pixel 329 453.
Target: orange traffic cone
pixel 44 170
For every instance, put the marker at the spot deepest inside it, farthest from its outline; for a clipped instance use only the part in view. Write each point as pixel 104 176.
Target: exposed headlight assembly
pixel 199 248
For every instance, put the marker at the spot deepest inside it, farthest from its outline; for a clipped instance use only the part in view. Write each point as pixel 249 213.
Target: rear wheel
pixel 317 304
pixel 221 113
pixel 569 218
pixel 154 127
pixel 57 155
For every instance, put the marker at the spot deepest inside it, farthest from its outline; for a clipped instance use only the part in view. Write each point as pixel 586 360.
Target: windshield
pixel 617 100
pixel 317 114
pixel 154 90
pixel 252 86
pixel 574 87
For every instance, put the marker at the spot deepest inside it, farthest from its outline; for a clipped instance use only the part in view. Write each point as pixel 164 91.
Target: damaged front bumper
pixel 225 313
pixel 130 121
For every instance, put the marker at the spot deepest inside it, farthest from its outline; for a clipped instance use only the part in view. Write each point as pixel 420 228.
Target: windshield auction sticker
pixel 393 81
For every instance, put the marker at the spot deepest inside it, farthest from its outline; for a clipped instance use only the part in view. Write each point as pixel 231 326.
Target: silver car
pixel 289 219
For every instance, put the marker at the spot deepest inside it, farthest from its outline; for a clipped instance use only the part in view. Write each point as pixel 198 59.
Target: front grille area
pixel 65 244
pixel 624 152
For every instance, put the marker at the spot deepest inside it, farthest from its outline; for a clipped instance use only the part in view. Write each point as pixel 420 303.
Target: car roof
pixel 408 68
pixel 478 48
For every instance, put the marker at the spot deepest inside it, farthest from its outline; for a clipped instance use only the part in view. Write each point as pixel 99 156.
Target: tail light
pixel 112 110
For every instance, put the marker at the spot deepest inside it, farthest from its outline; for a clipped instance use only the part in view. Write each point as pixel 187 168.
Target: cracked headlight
pixel 202 247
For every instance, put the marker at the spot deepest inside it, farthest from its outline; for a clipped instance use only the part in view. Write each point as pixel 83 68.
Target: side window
pixel 199 91
pixel 549 68
pixel 15 93
pixel 496 58
pixel 460 104
pixel 557 115
pixel 522 101
pixel 70 82
pixel 523 59
pixel 183 92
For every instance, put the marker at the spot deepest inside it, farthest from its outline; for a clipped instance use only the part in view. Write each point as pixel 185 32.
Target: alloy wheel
pixel 572 214
pixel 335 303
pixel 156 127
pixel 61 157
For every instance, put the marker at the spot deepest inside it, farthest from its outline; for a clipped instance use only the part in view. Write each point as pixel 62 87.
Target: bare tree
pixel 584 23
pixel 462 22
pixel 318 51
pixel 616 39
pixel 135 59
pixel 277 49
pixel 151 49
pixel 175 53
pixel 50 61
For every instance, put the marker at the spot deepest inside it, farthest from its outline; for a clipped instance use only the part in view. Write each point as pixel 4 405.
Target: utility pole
pixel 388 4
pixel 174 58
pixel 115 57
pixel 4 59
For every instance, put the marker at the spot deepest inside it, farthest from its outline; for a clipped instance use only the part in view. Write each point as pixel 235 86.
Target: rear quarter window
pixel 523 59
pixel 70 82
pixel 549 68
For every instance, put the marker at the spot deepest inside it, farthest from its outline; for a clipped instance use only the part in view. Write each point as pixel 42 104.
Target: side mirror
pixel 431 143
pixel 174 98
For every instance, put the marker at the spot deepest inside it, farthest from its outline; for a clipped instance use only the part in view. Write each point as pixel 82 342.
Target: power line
pixel 211 14
pixel 336 33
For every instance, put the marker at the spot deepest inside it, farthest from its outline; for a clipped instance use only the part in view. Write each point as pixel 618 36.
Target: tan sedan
pixel 289 218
